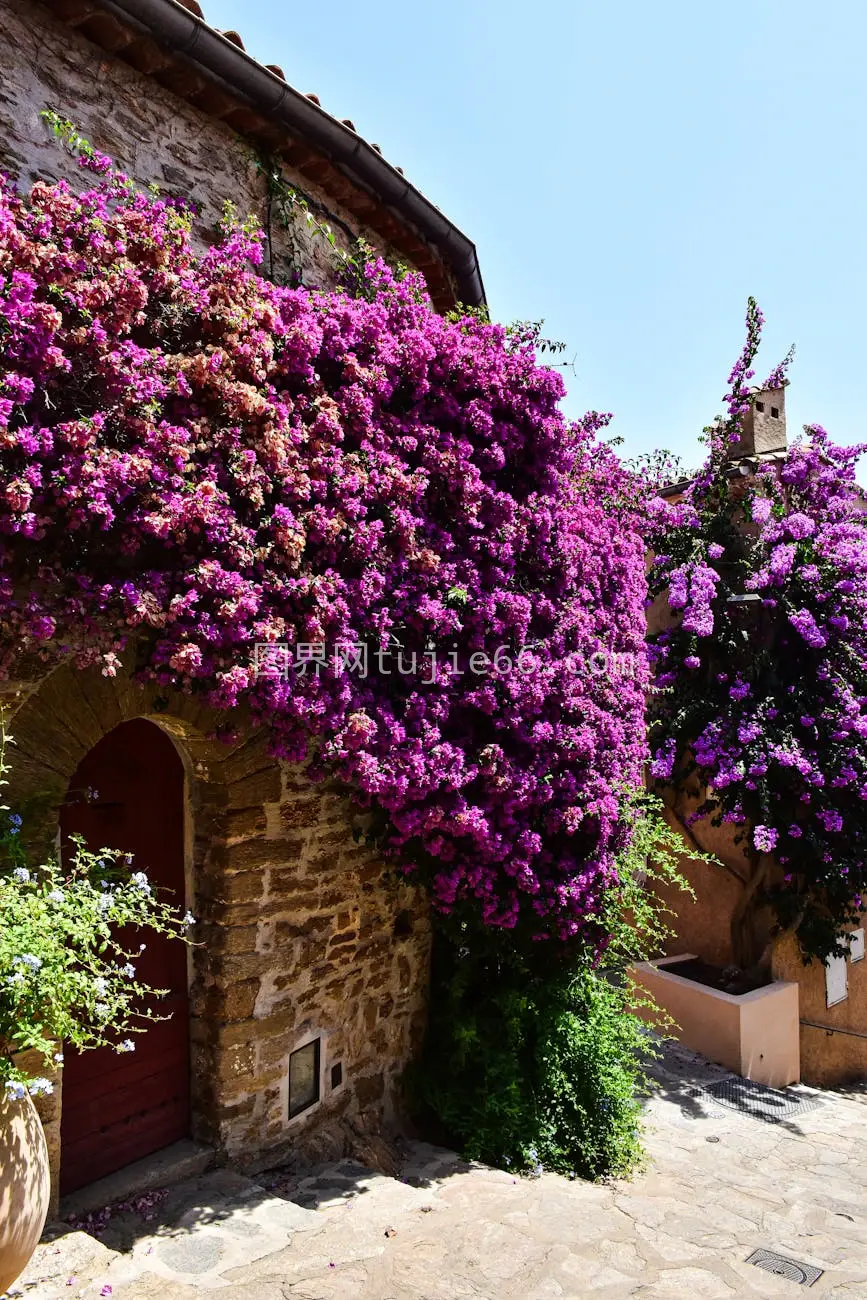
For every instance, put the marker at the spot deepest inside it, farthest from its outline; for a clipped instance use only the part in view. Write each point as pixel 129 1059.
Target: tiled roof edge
pixel 221 58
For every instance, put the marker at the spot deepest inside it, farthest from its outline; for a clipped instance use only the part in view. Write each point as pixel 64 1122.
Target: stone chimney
pixel 763 428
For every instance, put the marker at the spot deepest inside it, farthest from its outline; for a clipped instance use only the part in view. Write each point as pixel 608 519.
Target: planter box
pixel 756 1035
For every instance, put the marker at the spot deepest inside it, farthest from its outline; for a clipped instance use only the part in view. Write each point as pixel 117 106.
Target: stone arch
pixel 54 720
pixel 297 920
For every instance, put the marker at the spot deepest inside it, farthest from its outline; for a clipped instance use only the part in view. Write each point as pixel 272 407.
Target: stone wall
pixel 307 933
pixel 149 132
pixel 302 930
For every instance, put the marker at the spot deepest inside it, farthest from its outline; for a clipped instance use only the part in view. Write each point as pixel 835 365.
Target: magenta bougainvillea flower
pixel 766 656
pixel 200 461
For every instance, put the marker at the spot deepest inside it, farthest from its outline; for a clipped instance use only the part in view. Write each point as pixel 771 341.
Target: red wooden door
pixel 119 1107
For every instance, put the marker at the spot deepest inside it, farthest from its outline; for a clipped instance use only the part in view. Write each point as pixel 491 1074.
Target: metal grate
pixel 793 1269
pixel 769 1104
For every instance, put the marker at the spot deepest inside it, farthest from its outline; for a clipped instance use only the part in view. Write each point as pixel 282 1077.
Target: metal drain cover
pixel 793 1269
pixel 769 1104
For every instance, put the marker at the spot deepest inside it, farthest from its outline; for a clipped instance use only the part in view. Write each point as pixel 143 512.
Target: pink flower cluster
pixel 767 659
pixel 197 460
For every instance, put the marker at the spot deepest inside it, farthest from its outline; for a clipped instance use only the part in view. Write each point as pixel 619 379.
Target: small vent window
pixel 760 406
pixel 304 1078
pixel 775 412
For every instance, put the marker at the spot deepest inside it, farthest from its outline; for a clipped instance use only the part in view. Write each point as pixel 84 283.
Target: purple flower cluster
pixel 765 838
pixel 698 615
pixel 198 460
pixel 767 659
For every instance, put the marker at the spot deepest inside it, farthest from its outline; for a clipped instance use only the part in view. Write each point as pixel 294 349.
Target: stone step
pixel 194 1235
pixel 186 1235
pixel 209 1225
pixel 173 1164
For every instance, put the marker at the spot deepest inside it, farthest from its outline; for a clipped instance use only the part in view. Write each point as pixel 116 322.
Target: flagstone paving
pixel 719 1184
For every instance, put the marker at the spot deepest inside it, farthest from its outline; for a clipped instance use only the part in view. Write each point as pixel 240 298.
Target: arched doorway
pixel 117 1108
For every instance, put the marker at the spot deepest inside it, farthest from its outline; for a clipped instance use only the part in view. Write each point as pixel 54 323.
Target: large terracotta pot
pixel 24 1185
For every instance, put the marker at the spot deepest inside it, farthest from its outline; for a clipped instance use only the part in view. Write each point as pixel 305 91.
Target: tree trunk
pixel 747 949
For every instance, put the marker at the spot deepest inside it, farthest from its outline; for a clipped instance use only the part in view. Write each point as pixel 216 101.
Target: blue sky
pixel 630 172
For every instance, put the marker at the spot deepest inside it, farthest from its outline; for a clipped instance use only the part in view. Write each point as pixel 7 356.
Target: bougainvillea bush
pixel 194 460
pixel 534 1059
pixel 762 675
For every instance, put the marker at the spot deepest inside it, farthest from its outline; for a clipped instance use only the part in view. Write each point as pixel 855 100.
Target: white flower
pixel 21 875
pixel 128 971
pixel 110 665
pixel 101 985
pixel 105 902
pixel 40 1088
pixel 15 1090
pixel 189 919
pixel 31 962
pixel 57 895
pixel 139 878
pixel 126 1046
pixel 17 978
pixel 58 1058
pixel 101 1010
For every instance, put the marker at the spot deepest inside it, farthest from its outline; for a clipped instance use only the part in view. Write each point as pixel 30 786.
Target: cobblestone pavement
pixel 720 1183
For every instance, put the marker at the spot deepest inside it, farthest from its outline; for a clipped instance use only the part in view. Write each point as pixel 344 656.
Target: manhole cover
pixel 769 1104
pixel 793 1269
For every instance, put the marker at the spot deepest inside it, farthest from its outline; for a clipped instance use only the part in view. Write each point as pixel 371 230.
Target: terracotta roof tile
pixel 108 28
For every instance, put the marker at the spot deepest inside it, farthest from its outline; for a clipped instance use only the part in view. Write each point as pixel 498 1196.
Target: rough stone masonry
pixel 303 932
